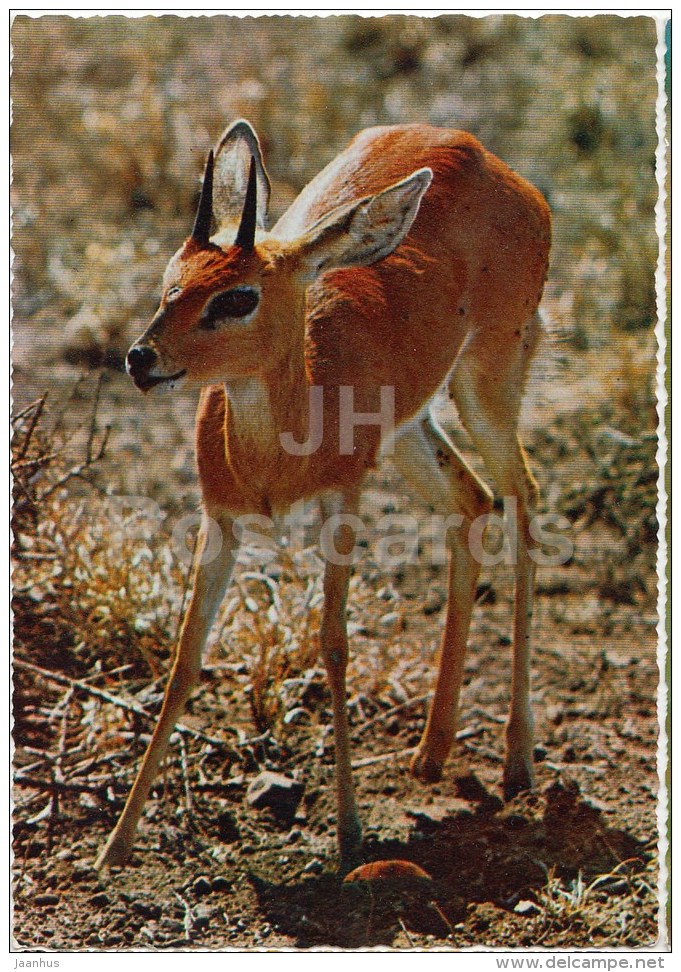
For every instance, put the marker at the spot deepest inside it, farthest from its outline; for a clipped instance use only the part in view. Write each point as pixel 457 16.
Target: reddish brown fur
pixel 454 303
pixel 475 261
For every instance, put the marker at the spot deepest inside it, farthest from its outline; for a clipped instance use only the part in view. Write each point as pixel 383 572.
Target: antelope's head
pixel 233 294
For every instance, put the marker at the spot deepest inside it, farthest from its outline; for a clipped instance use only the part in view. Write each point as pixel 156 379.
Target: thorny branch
pixel 24 467
pixel 128 705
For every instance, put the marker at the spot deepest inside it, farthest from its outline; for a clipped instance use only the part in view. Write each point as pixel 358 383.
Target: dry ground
pixel 111 121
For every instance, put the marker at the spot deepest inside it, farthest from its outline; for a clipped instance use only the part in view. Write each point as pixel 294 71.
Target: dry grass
pixel 73 549
pixel 610 908
pixel 567 101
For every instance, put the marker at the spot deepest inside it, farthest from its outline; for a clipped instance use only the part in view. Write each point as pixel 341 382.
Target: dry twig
pixel 128 706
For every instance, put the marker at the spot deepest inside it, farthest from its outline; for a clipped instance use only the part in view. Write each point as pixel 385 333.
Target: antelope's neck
pixel 261 408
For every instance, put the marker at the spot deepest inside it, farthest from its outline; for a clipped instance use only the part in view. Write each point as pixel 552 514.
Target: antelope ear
pixel 233 153
pixel 365 231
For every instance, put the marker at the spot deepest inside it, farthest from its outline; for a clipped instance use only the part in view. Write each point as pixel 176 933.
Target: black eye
pixel 234 303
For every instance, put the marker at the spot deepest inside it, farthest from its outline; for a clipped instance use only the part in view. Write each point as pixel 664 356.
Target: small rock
pixel 99 900
pixel 433 602
pixel 388 870
pixel 201 886
pixel 202 917
pixel 47 899
pixel 228 830
pixel 629 730
pixel 525 908
pixel 146 909
pixel 221 884
pixel 391 619
pixel 82 870
pixel 386 593
pixel 280 793
pixel 314 866
pixel 172 926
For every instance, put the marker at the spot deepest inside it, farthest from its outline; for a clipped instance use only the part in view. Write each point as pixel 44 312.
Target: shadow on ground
pixel 495 854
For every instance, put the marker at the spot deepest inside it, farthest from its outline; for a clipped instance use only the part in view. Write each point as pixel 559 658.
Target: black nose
pixel 141 359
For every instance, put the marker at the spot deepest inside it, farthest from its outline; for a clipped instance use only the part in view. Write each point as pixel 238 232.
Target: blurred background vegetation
pixel 113 117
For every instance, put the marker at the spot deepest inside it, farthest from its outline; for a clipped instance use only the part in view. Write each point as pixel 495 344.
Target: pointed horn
pixel 245 238
pixel 204 214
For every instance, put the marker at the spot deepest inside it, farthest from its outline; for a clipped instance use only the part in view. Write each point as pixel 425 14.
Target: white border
pixel 471 959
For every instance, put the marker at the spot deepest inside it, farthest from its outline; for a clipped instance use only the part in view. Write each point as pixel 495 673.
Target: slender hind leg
pixel 430 463
pixel 488 400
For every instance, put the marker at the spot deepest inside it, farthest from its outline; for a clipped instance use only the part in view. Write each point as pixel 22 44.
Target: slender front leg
pixel 334 644
pixel 212 574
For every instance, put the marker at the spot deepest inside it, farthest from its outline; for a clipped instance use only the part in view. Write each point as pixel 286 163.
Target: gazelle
pixel 416 259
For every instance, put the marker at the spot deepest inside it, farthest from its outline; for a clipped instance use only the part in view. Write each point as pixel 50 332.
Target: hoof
pixel 350 847
pixel 517 779
pixel 114 854
pixel 349 861
pixel 424 768
pixel 350 858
